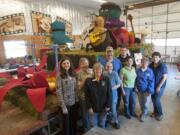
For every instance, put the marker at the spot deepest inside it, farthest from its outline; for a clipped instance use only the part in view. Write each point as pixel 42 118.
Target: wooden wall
pixel 39 42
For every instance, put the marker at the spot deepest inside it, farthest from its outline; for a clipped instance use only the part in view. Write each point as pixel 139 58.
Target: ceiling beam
pixel 149 3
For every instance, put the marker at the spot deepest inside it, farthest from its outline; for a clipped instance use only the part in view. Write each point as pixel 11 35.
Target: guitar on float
pixel 96 38
pixel 130 18
pixel 98 34
pixel 132 36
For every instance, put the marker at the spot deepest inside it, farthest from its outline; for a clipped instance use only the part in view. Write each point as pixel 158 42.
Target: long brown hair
pixel 63 72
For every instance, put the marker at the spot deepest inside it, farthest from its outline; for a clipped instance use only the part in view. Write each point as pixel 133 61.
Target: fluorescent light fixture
pixel 100 1
pixel 130 6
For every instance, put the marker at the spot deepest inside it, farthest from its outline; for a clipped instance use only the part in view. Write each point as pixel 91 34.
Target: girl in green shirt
pixel 128 76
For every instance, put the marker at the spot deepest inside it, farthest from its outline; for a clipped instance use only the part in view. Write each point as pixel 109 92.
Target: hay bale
pixel 18 97
pixel 2 81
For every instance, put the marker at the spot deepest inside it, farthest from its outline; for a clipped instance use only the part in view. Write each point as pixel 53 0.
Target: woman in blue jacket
pixel 144 86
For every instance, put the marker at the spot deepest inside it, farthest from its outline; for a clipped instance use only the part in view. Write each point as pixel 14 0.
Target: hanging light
pixel 100 1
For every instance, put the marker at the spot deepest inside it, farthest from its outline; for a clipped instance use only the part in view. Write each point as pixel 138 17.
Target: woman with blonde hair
pixel 98 96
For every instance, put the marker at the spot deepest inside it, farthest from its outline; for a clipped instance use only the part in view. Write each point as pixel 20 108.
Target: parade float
pixel 34 89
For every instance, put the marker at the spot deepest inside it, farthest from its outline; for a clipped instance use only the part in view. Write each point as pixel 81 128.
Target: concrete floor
pixel 170 125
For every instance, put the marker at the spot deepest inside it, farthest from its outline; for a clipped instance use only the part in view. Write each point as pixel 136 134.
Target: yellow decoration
pixel 48 40
pixel 52 83
pixel 52 86
pixel 95 37
pixel 98 35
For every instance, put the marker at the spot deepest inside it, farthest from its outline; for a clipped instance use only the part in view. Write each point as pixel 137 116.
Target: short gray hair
pixel 109 63
pixel 83 59
pixel 145 59
pixel 97 65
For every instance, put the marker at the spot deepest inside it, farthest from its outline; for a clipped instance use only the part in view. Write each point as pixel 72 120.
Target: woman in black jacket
pixel 98 96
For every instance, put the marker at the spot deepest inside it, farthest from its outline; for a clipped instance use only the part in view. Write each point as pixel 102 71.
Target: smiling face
pixel 66 65
pixel 109 54
pixel 97 69
pixel 144 63
pixel 84 65
pixel 109 67
pixel 123 52
pixel 156 59
pixel 129 62
pixel 45 24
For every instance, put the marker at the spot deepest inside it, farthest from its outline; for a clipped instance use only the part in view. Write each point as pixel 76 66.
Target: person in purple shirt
pixel 160 74
pixel 144 86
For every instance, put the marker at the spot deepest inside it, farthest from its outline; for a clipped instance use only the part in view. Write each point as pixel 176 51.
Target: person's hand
pixel 158 89
pixel 90 111
pixel 64 110
pixel 123 92
pixel 136 90
pixel 107 109
pixel 147 93
pixel 114 87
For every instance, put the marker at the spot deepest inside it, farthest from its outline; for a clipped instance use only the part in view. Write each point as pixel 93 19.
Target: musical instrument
pixel 85 35
pixel 95 37
pixel 130 18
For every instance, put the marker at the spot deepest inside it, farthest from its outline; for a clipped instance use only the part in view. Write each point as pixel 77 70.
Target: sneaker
pixel 127 116
pixel 134 115
pixel 159 118
pixel 117 125
pixel 142 118
pixel 152 115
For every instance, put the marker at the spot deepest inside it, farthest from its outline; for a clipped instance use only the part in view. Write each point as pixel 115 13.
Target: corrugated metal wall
pixel 78 16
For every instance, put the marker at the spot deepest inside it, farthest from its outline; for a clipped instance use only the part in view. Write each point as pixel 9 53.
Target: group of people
pixel 98 91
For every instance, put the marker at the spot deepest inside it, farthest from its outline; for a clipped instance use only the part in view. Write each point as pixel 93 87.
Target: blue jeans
pixel 132 103
pixel 119 90
pixel 84 114
pixel 156 99
pixel 129 101
pixel 98 119
pixel 114 112
pixel 144 100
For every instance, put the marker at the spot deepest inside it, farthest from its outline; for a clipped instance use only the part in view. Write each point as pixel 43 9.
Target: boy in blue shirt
pixel 144 87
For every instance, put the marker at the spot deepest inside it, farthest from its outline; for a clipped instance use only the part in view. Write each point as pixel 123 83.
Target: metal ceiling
pixel 148 3
pixel 131 4
pixel 95 4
